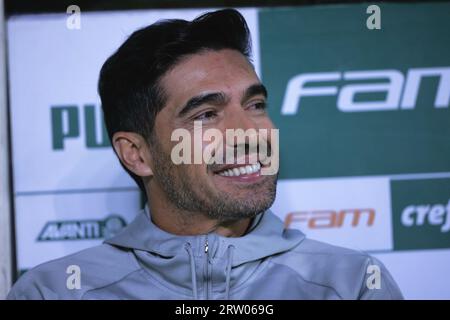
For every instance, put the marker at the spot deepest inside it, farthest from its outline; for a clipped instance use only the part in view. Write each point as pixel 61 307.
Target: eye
pixel 260 105
pixel 206 115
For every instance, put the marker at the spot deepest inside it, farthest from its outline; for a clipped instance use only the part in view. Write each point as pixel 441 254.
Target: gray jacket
pixel 269 262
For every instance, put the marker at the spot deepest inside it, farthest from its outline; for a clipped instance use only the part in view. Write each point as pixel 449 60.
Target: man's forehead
pixel 224 71
pixel 217 58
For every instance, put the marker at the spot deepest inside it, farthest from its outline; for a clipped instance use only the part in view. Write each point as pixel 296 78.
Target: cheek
pixel 268 123
pixel 194 172
pixel 264 122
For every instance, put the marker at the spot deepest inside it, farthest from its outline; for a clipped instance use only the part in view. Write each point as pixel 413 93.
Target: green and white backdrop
pixel 364 119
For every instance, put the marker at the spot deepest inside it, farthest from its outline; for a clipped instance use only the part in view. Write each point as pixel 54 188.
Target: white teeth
pixel 235 172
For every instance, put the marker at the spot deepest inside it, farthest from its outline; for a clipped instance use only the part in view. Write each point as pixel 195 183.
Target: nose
pixel 238 118
pixel 243 135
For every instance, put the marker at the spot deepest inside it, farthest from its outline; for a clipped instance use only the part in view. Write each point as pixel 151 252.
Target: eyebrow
pixel 254 90
pixel 216 98
pixel 220 98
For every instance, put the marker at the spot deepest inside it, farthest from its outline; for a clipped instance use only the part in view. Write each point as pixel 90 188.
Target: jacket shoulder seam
pixel 109 284
pixel 137 268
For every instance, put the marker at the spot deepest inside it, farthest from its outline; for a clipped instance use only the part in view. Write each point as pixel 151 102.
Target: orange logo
pixel 321 219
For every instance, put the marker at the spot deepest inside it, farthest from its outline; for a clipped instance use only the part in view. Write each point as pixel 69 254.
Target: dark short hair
pixel 129 86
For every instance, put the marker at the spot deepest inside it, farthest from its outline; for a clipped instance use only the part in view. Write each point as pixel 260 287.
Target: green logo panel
pixel 350 101
pixel 421 213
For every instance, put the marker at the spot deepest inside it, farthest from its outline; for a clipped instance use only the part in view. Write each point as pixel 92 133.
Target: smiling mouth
pixel 241 170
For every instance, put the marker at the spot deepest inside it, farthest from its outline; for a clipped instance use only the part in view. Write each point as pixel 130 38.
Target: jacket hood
pixel 267 237
pixel 181 261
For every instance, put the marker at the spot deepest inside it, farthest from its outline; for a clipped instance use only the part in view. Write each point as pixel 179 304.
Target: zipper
pixel 207 267
pixel 206 245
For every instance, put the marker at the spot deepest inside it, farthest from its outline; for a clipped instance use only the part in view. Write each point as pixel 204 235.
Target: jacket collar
pixel 267 236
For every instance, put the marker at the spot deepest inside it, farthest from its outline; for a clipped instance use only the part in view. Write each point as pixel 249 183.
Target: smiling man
pixel 206 231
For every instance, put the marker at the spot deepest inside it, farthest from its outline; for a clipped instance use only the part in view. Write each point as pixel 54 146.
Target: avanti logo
pixel 81 229
pixel 401 92
pixel 431 214
pixel 323 219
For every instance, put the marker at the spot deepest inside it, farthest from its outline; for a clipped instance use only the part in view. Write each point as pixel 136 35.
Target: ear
pixel 133 152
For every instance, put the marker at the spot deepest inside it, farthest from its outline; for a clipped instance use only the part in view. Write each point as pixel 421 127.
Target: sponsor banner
pixel 350 101
pixel 349 212
pixel 59 139
pixel 421 213
pixel 421 274
pixel 49 226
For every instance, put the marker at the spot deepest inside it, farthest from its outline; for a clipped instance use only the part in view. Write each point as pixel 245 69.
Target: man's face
pixel 227 95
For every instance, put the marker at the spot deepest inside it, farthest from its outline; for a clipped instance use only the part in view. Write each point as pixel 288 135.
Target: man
pixel 206 231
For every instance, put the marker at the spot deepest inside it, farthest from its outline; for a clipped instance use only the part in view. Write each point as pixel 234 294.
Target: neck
pixel 178 222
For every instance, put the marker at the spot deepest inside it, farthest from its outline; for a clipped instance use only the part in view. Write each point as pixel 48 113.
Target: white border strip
pixel 5 209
